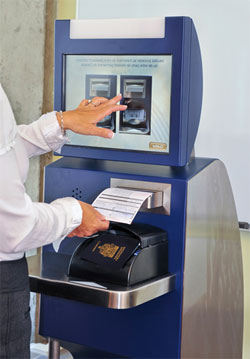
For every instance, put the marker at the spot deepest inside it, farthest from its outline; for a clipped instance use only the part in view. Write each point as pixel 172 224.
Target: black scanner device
pixel 124 255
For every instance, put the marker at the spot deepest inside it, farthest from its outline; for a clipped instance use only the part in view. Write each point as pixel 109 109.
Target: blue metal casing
pixel 150 330
pixel 186 92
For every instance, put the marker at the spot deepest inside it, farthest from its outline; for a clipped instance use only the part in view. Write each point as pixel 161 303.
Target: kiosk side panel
pixel 212 324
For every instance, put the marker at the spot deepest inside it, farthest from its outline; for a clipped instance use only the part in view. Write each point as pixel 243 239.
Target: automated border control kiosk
pixel 157 68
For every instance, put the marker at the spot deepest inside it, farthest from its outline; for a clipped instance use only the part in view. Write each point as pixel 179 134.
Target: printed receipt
pixel 120 205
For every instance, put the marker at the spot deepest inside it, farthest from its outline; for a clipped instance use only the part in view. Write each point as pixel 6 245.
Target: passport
pixel 111 250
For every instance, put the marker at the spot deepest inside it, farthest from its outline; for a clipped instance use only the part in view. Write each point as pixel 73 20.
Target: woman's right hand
pixel 83 120
pixel 92 222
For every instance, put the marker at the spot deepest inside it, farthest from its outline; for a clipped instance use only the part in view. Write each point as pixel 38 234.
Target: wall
pixel 245 245
pixel 21 66
pixel 66 9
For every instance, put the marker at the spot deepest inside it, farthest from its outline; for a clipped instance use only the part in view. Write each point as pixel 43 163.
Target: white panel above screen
pixel 118 28
pixel 223 29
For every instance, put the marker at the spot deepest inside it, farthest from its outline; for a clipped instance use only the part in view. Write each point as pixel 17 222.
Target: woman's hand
pixel 92 222
pixel 84 118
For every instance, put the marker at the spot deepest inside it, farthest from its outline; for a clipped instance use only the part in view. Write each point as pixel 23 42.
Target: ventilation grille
pixel 77 193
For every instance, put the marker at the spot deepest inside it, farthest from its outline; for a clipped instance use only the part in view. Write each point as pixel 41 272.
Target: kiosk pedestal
pixel 200 315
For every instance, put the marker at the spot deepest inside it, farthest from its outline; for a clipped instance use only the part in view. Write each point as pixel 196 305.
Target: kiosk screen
pixel 145 84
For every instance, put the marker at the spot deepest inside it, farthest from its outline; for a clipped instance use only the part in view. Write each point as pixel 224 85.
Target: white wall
pixel 223 28
pixel 21 66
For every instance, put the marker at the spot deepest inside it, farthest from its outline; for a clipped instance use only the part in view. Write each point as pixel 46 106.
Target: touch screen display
pixel 145 84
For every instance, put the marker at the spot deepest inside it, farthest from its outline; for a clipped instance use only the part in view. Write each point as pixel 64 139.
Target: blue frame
pixel 182 43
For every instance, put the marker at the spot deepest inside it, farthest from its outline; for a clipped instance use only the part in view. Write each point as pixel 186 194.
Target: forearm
pixel 24 224
pixel 43 135
pixel 38 224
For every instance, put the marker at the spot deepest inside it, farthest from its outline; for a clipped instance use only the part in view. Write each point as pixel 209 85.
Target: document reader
pixel 124 255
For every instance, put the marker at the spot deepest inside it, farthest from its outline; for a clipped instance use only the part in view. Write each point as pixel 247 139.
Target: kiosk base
pixel 203 316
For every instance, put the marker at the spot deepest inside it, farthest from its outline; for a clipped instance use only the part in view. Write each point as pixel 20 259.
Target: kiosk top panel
pixel 160 79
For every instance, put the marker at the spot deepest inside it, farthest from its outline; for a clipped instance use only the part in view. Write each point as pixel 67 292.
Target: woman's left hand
pixel 84 118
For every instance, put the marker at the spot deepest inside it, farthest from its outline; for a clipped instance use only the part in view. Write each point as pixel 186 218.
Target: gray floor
pixel 40 351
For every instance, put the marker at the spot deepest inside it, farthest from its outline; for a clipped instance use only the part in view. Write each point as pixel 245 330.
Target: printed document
pixel 120 205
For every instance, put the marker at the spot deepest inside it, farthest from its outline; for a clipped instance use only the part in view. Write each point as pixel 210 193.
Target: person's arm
pixel 46 134
pixel 24 224
pixel 42 136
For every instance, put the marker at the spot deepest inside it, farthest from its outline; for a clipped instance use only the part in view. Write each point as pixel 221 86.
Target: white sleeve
pixel 43 135
pixel 24 224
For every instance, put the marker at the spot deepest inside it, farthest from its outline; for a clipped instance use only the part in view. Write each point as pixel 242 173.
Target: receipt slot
pixel 136 91
pixel 102 86
pixel 158 202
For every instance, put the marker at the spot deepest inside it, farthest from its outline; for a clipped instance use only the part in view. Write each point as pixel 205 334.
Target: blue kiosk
pixel 195 309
